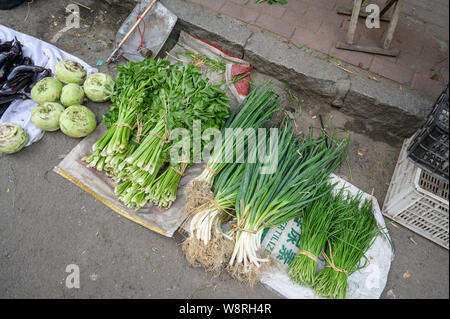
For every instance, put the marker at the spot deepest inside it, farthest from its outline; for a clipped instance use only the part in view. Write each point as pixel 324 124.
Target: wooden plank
pixel 348 12
pixel 387 6
pixel 392 25
pixel 353 21
pixel 367 49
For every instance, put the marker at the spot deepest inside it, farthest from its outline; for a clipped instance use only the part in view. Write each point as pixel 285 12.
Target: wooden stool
pixel 387 39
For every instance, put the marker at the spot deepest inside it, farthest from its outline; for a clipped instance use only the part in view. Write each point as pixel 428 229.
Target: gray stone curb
pixel 381 105
pixel 228 33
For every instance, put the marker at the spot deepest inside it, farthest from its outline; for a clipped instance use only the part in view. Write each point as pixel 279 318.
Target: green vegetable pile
pixel 354 232
pixel 268 200
pixel 151 98
pixel 52 96
pixel 317 227
pixel 341 228
pixel 263 199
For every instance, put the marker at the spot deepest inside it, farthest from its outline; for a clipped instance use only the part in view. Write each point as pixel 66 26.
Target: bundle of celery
pixel 252 113
pixel 268 200
pixel 150 100
pixel 317 227
pixel 355 230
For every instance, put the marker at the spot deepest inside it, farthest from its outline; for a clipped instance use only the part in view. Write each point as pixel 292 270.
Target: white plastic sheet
pixel 42 54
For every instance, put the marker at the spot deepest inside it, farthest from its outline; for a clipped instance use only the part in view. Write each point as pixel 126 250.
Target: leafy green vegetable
pixel 252 112
pixel 354 232
pixel 317 223
pixel 151 98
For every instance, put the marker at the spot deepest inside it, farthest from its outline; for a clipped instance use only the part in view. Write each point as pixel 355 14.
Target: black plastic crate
pixel 429 149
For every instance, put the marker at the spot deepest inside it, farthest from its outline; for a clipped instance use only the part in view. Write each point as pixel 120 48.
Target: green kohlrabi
pixel 46 116
pixel 72 94
pixel 12 138
pixel 77 121
pixel 46 90
pixel 68 71
pixel 99 87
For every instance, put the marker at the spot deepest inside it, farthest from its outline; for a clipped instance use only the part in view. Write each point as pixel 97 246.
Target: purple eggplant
pixel 12 57
pixel 37 77
pixel 21 69
pixel 5 64
pixel 3 107
pixel 5 101
pixel 17 79
pixel 13 97
pixel 4 57
pixel 27 61
pixel 18 75
pixel 6 46
pixel 16 84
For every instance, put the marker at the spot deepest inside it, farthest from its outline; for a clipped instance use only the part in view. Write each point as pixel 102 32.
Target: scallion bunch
pixel 268 200
pixel 208 246
pixel 251 113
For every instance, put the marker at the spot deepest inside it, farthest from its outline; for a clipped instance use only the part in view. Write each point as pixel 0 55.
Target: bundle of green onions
pixel 151 99
pixel 268 200
pixel 317 227
pixel 208 245
pixel 251 113
pixel 354 233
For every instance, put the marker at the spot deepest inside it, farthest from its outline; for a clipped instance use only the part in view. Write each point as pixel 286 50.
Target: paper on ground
pixel 198 46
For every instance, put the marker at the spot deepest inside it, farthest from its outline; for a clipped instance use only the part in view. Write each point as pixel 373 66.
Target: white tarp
pixel 42 54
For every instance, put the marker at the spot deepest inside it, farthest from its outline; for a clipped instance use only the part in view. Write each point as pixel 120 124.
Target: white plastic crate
pixel 418 201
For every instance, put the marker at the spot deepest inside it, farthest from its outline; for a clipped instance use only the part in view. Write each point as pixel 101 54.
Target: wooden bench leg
pixel 353 21
pixel 392 25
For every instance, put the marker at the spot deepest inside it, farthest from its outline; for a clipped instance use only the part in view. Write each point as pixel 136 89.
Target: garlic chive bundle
pixel 354 232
